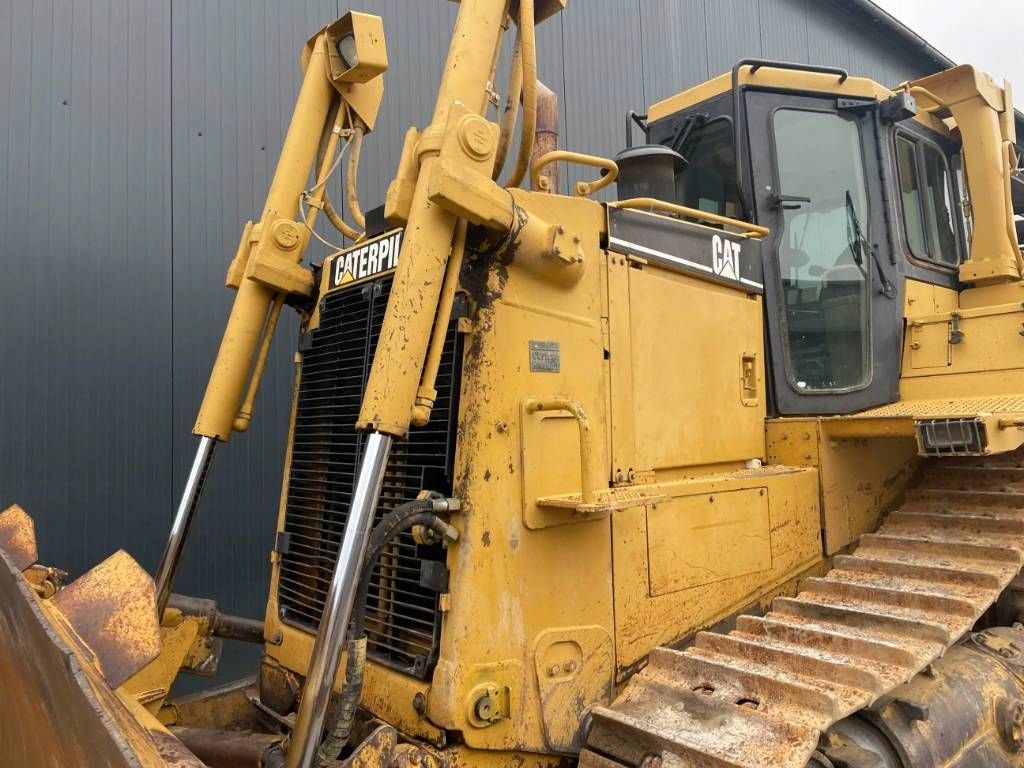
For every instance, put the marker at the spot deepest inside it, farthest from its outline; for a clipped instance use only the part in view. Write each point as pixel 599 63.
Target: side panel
pixel 660 600
pixel 707 538
pixel 518 593
pixel 689 339
pixel 861 479
pixel 688 412
pixel 922 299
pixel 971 341
pixel 685 330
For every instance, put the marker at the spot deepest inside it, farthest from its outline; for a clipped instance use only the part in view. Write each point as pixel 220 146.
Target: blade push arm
pixel 337 93
pixel 334 101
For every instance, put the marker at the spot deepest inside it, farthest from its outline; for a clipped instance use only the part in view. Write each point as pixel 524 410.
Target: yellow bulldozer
pixel 726 471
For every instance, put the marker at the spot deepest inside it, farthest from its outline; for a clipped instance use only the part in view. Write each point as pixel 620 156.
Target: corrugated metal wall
pixel 86 391
pixel 136 136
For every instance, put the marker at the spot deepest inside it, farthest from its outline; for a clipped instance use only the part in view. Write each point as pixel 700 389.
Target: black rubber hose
pixel 401 518
pixel 387 529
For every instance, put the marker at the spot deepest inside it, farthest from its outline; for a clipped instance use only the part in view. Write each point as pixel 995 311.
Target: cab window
pixel 928 202
pixel 824 257
pixel 707 182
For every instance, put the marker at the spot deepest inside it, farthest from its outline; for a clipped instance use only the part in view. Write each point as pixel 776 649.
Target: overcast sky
pixel 985 34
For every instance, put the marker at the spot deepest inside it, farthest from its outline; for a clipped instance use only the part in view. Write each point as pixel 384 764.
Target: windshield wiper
pixel 859 243
pixel 681 138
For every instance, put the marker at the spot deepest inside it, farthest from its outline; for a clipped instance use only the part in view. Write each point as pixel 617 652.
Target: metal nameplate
pixel 545 357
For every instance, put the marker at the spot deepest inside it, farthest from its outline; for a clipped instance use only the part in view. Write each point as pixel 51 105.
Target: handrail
pixel 640 203
pixel 583 188
pixel 739 114
pixel 917 90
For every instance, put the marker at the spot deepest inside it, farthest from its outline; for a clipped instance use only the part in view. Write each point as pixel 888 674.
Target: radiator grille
pixel 403 620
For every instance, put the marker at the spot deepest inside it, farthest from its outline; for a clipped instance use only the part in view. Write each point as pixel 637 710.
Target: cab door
pixel 833 300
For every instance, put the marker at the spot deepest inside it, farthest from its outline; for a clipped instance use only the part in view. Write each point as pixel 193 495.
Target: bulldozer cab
pixel 860 192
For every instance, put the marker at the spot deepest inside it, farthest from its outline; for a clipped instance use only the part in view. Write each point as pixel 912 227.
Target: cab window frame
pixel 865 137
pixel 953 190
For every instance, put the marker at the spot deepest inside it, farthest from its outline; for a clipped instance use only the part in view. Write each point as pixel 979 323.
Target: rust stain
pixel 483 278
pixel 377 749
pixel 52 714
pixel 172 752
pixel 227 748
pixel 18 537
pixel 112 608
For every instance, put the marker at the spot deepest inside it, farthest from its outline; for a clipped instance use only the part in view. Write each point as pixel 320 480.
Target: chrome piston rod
pixel 183 522
pixel 330 638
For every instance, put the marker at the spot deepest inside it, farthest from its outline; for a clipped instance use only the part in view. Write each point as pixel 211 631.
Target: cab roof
pixel 803 81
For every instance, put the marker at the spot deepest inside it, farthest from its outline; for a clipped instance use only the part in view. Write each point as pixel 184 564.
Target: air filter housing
pixel 648 171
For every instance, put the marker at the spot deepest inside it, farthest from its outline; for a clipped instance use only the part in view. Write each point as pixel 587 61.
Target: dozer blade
pixel 61 660
pixel 18 537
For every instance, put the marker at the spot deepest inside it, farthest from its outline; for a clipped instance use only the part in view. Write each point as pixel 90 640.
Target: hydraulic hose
pixel 352 196
pixel 335 218
pixel 344 714
pixel 401 518
pixel 528 38
pixel 325 201
pixel 511 114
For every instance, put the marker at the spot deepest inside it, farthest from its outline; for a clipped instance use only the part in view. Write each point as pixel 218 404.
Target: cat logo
pixel 367 259
pixel 725 257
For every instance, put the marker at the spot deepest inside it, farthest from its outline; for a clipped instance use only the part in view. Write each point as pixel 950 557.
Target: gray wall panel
pixel 675 50
pixel 603 79
pixel 732 26
pixel 85 300
pixel 137 136
pixel 902 65
pixel 784 30
pixel 833 38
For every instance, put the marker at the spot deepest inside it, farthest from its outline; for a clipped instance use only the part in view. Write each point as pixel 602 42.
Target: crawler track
pixel 763 694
